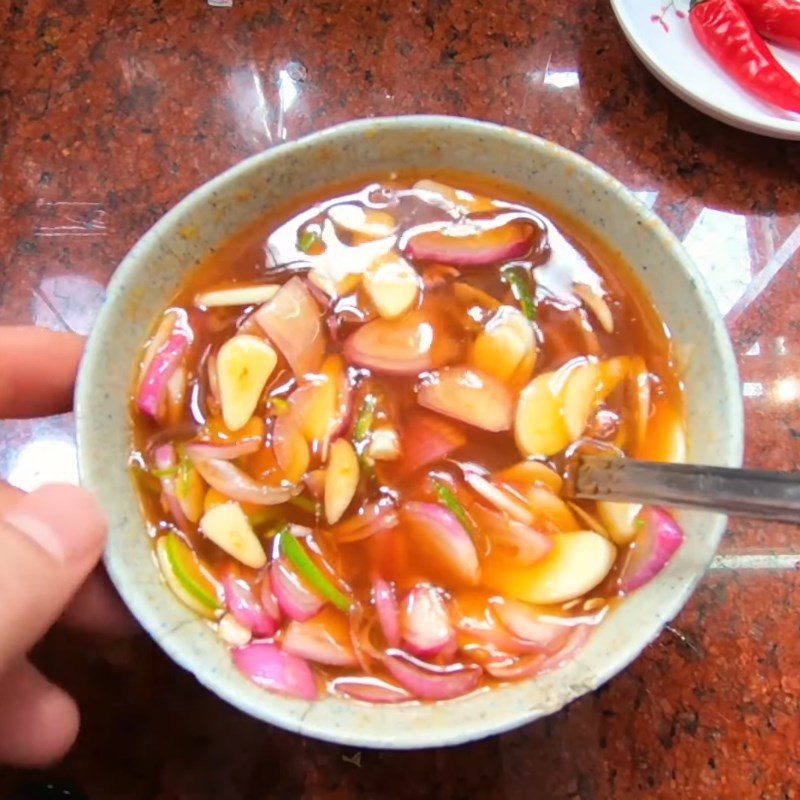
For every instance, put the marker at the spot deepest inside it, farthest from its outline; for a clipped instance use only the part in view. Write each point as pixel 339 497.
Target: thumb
pixel 49 542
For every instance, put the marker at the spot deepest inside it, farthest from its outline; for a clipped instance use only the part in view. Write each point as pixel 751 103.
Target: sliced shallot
pixel 539 664
pixel 388 611
pixel 370 690
pixel 655 544
pixel 293 322
pixel 203 451
pixel 166 461
pixel 405 346
pixel 323 639
pixel 267 598
pixel 525 624
pixel 425 623
pixel 154 383
pixel 246 609
pixel 295 599
pixel 366 522
pixel 441 537
pixel 430 682
pixel 500 498
pixel 269 666
pixel 467 245
pixel 509 538
pixel 426 439
pixel 290 447
pixel 238 485
pixel 470 396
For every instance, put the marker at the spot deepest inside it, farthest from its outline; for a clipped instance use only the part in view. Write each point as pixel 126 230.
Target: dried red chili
pixel 724 30
pixel 776 20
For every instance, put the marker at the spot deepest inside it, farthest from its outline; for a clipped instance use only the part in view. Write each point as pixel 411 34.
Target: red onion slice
pixel 525 624
pixel 246 609
pixel 539 664
pixel 165 460
pixel 425 623
pixel 366 522
pixel 362 627
pixel 430 682
pixel 439 535
pixel 388 612
pixel 154 384
pixel 267 598
pixel 293 322
pixel 464 245
pixel 370 690
pixel 660 536
pixel 524 544
pixel 203 451
pixel 323 639
pixel 294 598
pixel 267 665
pixel 238 485
pixel 479 629
pixel 469 396
pixel 426 439
pixel 405 346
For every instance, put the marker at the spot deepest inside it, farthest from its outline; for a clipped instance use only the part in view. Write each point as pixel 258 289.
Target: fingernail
pixel 63 520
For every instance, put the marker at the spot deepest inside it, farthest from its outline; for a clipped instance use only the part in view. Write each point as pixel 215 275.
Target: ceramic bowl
pixel 156 266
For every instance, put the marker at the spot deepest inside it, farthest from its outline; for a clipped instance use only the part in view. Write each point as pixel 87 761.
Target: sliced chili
pixel 776 20
pixel 302 562
pixel 723 29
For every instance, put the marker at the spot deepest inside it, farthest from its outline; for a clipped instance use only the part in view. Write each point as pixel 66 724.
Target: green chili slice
pixel 308 240
pixel 452 504
pixel 517 281
pixel 167 472
pixel 366 416
pixel 279 405
pixel 296 553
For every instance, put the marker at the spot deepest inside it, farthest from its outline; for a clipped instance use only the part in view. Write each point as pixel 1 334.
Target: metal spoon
pixel 742 492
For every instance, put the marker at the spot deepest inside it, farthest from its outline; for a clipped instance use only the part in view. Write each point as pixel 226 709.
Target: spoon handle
pixel 742 492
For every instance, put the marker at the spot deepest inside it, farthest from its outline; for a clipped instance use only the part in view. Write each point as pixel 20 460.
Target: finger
pixel 50 540
pixel 8 496
pixel 38 721
pixel 97 608
pixel 37 371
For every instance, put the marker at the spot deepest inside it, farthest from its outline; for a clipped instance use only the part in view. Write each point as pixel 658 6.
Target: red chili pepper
pixel 776 20
pixel 724 30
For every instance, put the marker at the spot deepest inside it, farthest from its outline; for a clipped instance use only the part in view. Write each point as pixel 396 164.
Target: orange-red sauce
pixel 567 326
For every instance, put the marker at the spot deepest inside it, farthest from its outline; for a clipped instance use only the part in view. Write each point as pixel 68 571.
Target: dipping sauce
pixel 350 428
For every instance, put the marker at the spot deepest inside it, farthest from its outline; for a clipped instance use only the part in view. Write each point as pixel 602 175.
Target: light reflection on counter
pixel 718 244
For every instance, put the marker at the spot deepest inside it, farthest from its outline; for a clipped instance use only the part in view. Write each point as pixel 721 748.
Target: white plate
pixel 663 39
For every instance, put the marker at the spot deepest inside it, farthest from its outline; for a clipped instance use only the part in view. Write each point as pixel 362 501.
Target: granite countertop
pixel 112 111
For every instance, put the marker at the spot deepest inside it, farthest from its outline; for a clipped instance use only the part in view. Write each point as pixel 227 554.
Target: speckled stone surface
pixel 110 112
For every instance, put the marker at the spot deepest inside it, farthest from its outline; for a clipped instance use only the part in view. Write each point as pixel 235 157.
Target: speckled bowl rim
pixel 280 712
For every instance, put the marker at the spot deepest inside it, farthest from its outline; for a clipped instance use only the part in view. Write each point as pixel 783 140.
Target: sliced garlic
pixel 232 632
pixel 236 296
pixel 597 304
pixel 369 222
pixel 384 444
pixel 229 528
pixel 392 284
pixel 244 364
pixel 341 479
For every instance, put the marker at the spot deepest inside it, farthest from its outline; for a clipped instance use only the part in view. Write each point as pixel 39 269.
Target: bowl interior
pixel 155 268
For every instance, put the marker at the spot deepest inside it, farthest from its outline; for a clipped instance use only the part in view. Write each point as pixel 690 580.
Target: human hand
pixel 50 543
